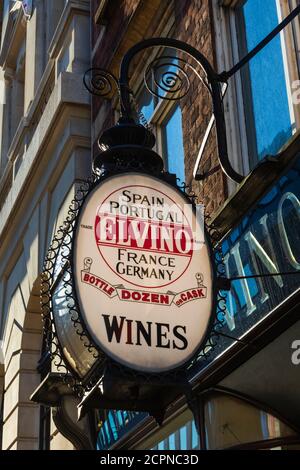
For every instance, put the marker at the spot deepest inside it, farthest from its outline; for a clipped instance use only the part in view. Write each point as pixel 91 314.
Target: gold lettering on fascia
pixel 265 230
pixel 229 312
pixel 262 255
pixel 235 252
pixel 282 230
pixel 255 247
pixel 257 251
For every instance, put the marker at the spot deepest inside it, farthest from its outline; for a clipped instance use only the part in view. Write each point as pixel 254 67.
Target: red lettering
pixel 159 236
pixel 125 294
pixel 136 296
pixel 147 297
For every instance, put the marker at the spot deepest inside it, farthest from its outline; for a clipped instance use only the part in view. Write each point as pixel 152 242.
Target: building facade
pixel 242 402
pixel 45 152
pixel 246 386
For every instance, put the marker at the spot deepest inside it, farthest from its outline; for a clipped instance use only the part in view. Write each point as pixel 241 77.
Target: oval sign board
pixel 143 272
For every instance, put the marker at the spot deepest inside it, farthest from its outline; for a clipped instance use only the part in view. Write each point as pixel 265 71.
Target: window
pixel 179 433
pixel 13 53
pixel 269 119
pixel 52 12
pixel 164 116
pixel 113 424
pixel 172 142
pixel 184 438
pixel 18 88
pixel 260 115
pixel 295 32
pixel 6 8
pixel 231 422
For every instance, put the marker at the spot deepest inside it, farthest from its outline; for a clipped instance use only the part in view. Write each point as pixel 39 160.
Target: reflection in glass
pixel 164 79
pixel 184 438
pixel 230 421
pixel 173 143
pixel 62 255
pixel 271 117
pixel 116 424
pixel 146 104
pixel 75 352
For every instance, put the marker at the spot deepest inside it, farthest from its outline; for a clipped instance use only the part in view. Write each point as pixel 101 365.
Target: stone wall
pixel 48 155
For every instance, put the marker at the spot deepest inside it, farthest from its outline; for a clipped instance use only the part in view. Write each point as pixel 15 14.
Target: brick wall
pixel 131 21
pixel 194 26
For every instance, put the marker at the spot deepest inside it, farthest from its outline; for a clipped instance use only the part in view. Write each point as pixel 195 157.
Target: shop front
pixel 244 404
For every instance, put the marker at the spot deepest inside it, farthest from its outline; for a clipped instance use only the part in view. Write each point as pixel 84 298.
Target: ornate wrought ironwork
pixel 174 84
pixel 166 78
pixel 224 76
pixel 100 82
pixel 61 251
pixel 213 81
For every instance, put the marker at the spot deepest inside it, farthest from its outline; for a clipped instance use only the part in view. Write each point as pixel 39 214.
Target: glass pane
pixel 172 445
pixel 62 256
pixel 116 425
pixel 195 437
pixel 230 422
pixel 146 105
pixel 161 446
pixel 184 438
pixel 167 79
pixel 265 80
pixel 162 77
pixel 173 143
pixel 5 17
pixel 74 350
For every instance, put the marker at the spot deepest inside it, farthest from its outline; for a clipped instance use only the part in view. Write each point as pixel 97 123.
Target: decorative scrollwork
pixel 100 82
pixel 166 78
pixel 206 353
pixel 60 252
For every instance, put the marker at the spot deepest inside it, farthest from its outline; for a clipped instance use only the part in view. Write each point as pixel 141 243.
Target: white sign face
pixel 143 272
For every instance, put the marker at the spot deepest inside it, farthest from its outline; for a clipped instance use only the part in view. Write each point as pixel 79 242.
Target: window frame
pixel 184 415
pixel 163 109
pixel 227 54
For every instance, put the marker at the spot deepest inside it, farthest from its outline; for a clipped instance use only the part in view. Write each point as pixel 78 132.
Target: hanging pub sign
pixel 143 272
pixel 130 285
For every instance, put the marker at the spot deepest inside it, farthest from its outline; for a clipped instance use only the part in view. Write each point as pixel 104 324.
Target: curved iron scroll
pixel 99 81
pixel 214 82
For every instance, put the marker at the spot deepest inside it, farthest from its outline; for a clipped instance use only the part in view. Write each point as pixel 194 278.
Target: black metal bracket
pixel 227 74
pixel 121 389
pixel 101 82
pixel 225 283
